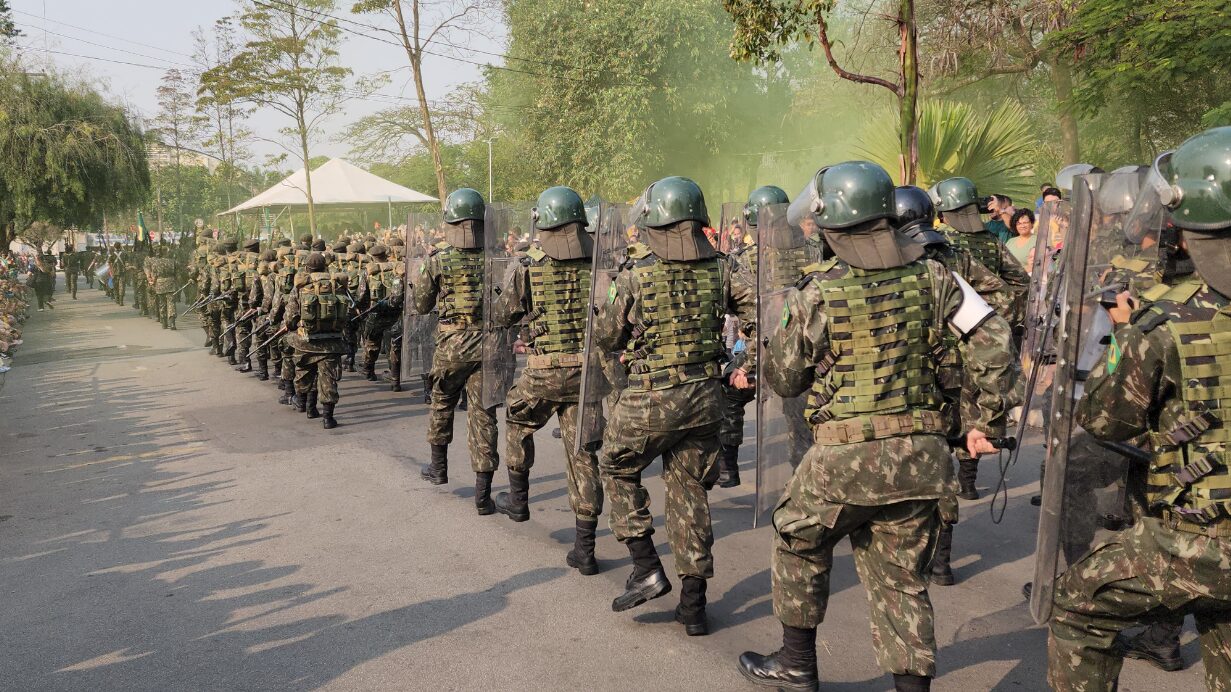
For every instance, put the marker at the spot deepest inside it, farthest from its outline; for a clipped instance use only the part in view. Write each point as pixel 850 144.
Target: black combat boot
pixel 515 503
pixel 581 557
pixel 437 473
pixel 244 366
pixel 397 381
pixel 942 574
pixel 967 471
pixel 262 372
pixel 1158 644
pixel 350 362
pixel 905 682
pixel 483 493
pixel 793 667
pixel 171 325
pixel 369 370
pixel 728 471
pixel 301 403
pixel 648 580
pixel 691 611
pixel 313 412
pixel 330 421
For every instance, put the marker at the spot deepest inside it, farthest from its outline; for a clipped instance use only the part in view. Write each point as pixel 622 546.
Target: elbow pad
pixel 973 311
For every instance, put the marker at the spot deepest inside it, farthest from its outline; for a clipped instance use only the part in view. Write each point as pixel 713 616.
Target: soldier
pixel 731 435
pixel 119 273
pixel 136 270
pixel 86 262
pixel 958 203
pixel 863 337
pixel 450 281
pixel 222 305
pixel 314 315
pixel 381 297
pixel 164 288
pixel 673 404
pixel 550 287
pixel 1161 377
pixel 915 216
pixel 247 297
pixel 198 272
pixel 262 298
pixel 70 262
pixel 284 273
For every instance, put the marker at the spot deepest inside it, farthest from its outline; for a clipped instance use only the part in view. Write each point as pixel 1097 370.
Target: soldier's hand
pixel 1125 306
pixel 739 379
pixel 978 444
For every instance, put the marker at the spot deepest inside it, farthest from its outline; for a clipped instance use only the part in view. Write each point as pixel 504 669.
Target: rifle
pixel 181 290
pixel 242 318
pixel 271 339
pixel 365 313
pixel 256 330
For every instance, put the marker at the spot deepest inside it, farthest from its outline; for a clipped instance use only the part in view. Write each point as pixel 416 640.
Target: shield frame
pixel 500 364
pixel 418 331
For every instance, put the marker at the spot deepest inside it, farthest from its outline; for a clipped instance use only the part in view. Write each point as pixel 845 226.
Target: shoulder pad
pixel 1154 293
pixel 637 251
pixel 442 245
pixel 1132 265
pixel 821 267
pixel 1151 318
pixel 536 254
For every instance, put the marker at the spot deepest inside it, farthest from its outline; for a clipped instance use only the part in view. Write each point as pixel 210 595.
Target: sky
pixel 125 46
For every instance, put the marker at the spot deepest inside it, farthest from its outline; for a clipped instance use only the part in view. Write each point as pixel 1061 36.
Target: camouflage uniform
pixel 450 282
pixel 119 273
pixel 164 289
pixel 244 280
pixel 71 262
pixel 318 343
pixel 675 411
pixel 1160 377
pixel 381 289
pixel 876 478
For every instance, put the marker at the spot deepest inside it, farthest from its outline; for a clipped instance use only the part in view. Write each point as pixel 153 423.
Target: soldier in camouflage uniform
pixel 163 282
pixel 958 203
pixel 450 282
pixel 198 272
pixel 262 298
pixel 864 336
pixel 315 313
pixel 1164 376
pixel 284 272
pixel 381 296
pixel 244 266
pixel 354 267
pixel 70 260
pixel 551 287
pixel 119 274
pixel 914 217
pixel 397 253
pixel 731 434
pixel 665 312
pixel 224 308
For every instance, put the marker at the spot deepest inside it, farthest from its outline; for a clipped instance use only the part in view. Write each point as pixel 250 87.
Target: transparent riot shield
pixel 601 373
pixel 423 229
pixel 783 435
pixel 507 236
pixel 1084 496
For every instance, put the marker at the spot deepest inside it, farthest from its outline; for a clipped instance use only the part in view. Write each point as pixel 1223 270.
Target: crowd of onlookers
pixel 14 307
pixel 1016 227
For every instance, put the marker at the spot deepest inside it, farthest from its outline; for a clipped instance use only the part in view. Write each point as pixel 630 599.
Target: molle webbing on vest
pixel 559 295
pixel 884 333
pixel 1190 471
pixel 679 337
pixel 983 246
pixel 461 283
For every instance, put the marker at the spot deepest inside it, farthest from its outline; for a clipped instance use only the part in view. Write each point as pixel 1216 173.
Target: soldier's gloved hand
pixel 739 379
pixel 978 444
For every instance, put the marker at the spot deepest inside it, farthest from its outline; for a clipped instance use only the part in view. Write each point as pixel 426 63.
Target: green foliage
pixel 994 149
pixel 764 27
pixel 8 30
pixel 67 156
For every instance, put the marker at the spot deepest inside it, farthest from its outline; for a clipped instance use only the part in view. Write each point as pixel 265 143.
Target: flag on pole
pixel 143 233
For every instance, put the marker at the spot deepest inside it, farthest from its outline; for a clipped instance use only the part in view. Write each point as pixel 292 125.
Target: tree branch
pixel 823 37
pixel 990 72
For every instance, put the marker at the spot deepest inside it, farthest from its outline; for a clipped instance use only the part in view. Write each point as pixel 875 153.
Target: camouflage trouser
pixel 242 343
pixel 372 334
pixel 226 317
pixel 731 434
pixel 70 283
pixel 1142 575
pixel 448 380
pixel 892 546
pixel 523 416
pixel 286 355
pixel 117 291
pixel 319 371
pixel 690 467
pixel 164 308
pixel 213 320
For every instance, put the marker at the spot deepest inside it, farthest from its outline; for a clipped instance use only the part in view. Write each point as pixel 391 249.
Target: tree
pixel 764 27
pixel 419 24
pixel 395 135
pixel 176 125
pixel 226 133
pixel 8 30
pixel 289 65
pixel 40 235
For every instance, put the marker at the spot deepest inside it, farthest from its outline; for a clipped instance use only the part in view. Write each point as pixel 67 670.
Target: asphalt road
pixel 164 525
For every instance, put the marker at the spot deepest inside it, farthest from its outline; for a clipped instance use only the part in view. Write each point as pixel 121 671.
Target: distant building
pixel 163 156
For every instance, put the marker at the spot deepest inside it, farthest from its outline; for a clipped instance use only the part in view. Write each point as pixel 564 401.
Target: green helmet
pixel 763 197
pixel 955 193
pixel 1198 178
pixel 464 204
pixel 672 200
pixel 850 193
pixel 558 206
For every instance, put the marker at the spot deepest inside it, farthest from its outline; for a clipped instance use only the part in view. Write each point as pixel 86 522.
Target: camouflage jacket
pixel 892 469
pixel 454 343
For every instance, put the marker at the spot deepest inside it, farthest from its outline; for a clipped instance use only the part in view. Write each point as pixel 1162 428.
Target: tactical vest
pixel 883 334
pixel 949 373
pixel 244 268
pixel 461 285
pixel 786 264
pixel 322 309
pixel 983 246
pixel 220 275
pixel 384 281
pixel 559 294
pixel 678 338
pixel 1190 470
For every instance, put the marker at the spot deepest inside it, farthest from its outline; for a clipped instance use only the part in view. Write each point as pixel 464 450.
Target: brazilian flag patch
pixel 611 293
pixel 786 316
pixel 1113 355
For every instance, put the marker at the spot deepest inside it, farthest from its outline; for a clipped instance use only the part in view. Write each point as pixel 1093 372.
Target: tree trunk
pixel 432 145
pixel 303 144
pixel 908 102
pixel 1062 81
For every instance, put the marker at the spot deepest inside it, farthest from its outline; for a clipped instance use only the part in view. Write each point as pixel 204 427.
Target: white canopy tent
pixel 335 184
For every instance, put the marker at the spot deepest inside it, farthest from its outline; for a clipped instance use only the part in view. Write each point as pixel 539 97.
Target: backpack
pixel 322 307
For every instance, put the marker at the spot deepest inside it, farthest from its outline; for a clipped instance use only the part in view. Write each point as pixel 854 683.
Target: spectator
pixel 1021 246
pixel 1051 194
pixel 1001 208
pixel 1038 202
pixel 14 308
